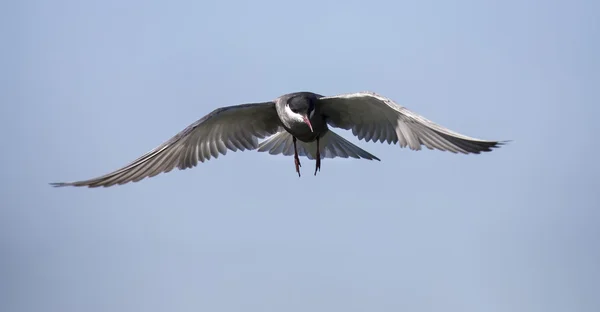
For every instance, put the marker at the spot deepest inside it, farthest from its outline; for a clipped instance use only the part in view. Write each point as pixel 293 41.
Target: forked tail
pixel 331 146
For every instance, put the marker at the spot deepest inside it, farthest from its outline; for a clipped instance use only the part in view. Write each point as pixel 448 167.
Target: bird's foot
pixel 318 164
pixel 298 165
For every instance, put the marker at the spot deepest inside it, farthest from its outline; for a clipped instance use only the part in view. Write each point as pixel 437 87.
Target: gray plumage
pixel 304 117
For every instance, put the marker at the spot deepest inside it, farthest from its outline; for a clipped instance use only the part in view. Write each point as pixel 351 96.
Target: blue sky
pixel 89 86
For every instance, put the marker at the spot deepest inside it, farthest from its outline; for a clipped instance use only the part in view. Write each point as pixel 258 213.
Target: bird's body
pixel 298 124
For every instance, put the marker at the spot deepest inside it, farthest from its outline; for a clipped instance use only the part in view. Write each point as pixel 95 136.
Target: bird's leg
pixel 296 159
pixel 318 165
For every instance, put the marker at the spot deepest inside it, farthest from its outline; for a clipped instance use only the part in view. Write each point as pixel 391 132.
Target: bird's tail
pixel 331 145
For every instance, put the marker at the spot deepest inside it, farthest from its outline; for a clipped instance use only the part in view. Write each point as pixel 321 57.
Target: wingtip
pixel 501 143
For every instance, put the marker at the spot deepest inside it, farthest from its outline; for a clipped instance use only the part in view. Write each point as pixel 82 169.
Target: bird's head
pixel 301 108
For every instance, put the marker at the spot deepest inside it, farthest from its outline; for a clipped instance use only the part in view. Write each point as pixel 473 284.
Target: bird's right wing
pixel 228 128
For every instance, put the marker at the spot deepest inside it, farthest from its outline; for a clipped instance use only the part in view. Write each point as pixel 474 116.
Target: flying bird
pixel 296 124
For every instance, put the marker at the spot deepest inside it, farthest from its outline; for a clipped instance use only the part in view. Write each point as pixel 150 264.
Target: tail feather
pixel 331 146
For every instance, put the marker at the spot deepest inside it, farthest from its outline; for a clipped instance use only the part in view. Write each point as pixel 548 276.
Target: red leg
pixel 296 159
pixel 318 165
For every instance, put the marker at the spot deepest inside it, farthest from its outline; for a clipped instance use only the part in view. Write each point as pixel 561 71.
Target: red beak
pixel 308 123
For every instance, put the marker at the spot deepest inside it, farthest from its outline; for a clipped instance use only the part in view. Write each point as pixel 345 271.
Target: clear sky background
pixel 89 86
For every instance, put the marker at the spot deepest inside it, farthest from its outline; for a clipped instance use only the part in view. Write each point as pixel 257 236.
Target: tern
pixel 295 124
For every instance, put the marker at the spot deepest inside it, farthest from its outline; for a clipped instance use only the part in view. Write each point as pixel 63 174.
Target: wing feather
pixel 372 117
pixel 228 128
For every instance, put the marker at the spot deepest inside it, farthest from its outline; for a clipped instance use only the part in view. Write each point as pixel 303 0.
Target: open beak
pixel 307 121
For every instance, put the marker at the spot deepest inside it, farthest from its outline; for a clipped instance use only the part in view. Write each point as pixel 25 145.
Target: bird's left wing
pixel 228 128
pixel 373 117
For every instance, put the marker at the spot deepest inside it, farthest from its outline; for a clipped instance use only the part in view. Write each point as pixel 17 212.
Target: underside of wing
pixel 229 128
pixel 372 117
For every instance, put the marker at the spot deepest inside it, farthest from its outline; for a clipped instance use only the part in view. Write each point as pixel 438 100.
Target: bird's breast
pixel 303 133
pixel 307 136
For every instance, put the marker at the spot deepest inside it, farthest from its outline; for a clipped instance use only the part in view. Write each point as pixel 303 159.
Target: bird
pixel 294 124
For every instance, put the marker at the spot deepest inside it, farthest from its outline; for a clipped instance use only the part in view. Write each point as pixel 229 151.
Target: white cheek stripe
pixel 294 116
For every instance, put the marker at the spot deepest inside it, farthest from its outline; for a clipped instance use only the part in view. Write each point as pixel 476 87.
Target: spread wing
pixel 377 118
pixel 228 128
